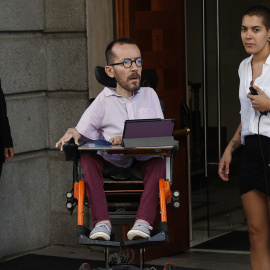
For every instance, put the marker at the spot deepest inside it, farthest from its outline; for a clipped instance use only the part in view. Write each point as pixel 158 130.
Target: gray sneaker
pixel 101 232
pixel 139 230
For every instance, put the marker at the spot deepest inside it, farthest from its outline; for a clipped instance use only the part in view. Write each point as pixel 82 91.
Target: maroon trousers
pixel 153 170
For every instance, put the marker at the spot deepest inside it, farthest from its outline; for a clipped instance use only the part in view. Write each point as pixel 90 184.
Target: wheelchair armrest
pixel 183 131
pixel 179 132
pixel 71 150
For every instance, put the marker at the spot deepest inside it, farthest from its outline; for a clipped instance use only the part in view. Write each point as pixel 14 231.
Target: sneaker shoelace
pixel 103 225
pixel 144 225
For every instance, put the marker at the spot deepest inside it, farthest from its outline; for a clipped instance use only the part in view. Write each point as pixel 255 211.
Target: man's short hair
pixel 108 53
pixel 260 11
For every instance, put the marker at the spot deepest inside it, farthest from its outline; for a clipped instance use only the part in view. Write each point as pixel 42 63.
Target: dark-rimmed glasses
pixel 127 63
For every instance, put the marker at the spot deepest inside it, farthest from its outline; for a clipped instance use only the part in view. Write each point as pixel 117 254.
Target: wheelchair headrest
pixel 103 78
pixel 149 78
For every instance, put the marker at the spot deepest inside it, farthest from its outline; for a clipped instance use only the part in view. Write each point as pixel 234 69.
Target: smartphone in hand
pixel 253 91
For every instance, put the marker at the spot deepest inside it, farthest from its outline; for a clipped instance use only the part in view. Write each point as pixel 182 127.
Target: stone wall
pixel 44 73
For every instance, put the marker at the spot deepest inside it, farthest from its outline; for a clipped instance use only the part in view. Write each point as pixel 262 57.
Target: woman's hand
pixel 225 161
pixel 224 166
pixel 9 153
pixel 260 102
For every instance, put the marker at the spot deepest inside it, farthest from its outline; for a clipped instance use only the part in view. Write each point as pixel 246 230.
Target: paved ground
pixel 206 259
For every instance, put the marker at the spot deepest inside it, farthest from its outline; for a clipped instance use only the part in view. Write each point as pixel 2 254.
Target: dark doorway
pixel 214 52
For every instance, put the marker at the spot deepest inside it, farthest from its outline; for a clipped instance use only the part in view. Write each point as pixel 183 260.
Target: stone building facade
pixel 48 51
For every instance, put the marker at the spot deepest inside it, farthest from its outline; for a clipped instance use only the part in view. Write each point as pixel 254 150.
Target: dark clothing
pixel 5 134
pixel 255 170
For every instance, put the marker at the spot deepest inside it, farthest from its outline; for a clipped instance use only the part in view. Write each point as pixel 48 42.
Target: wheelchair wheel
pixel 85 266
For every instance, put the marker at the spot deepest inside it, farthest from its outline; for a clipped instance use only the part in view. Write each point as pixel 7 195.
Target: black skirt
pixel 255 166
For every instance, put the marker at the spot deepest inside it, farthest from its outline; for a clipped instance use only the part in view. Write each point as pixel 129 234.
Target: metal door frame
pixel 205 105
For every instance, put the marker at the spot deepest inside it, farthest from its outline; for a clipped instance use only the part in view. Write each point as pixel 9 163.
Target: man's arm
pixel 71 133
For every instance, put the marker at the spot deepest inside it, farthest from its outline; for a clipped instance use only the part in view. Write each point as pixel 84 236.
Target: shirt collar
pixel 250 59
pixel 266 62
pixel 112 92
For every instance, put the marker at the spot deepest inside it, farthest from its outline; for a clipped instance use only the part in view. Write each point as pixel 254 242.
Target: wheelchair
pixel 123 190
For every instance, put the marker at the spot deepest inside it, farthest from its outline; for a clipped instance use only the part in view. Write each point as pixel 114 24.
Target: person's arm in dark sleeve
pixel 5 129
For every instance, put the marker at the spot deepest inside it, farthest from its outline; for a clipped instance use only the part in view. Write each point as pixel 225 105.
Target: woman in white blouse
pixel 254 133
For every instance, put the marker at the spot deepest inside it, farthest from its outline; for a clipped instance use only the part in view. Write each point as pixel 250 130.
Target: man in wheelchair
pixel 104 119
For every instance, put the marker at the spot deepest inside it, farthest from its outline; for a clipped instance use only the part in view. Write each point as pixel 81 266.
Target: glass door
pixel 214 52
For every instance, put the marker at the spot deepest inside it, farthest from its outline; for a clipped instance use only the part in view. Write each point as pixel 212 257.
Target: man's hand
pixel 260 102
pixel 71 133
pixel 9 153
pixel 116 140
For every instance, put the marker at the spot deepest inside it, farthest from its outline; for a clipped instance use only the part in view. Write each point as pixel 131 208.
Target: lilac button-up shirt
pixel 105 117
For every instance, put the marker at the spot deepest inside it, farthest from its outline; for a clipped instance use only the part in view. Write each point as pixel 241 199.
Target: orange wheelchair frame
pixel 164 193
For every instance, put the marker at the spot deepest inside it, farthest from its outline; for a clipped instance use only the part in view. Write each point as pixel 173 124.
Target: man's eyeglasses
pixel 127 63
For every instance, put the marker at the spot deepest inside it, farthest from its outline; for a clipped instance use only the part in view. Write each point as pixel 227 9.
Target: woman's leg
pixel 256 206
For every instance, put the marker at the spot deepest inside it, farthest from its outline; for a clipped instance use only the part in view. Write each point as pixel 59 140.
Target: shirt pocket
pixel 145 113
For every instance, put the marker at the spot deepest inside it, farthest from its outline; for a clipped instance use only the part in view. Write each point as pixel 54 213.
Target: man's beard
pixel 134 86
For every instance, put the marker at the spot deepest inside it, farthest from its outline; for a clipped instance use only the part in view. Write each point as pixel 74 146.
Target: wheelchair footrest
pixel 82 230
pixel 155 240
pixel 162 227
pixel 159 236
pixel 84 240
